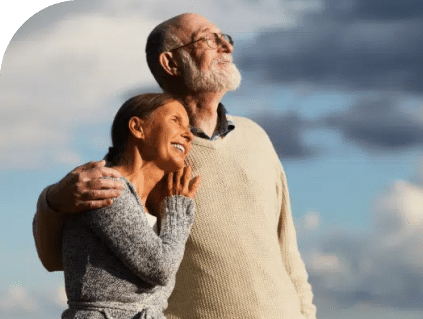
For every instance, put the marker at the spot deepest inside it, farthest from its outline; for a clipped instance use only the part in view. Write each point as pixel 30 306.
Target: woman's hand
pixel 177 183
pixel 180 183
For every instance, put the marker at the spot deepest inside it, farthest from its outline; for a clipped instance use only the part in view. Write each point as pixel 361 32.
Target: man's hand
pixel 84 189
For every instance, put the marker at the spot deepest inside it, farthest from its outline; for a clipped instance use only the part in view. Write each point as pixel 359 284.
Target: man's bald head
pixel 202 67
pixel 164 37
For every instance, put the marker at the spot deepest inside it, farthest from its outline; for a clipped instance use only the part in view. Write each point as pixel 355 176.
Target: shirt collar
pixel 225 124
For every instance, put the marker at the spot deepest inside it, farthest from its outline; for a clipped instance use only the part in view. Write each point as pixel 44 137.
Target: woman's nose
pixel 188 134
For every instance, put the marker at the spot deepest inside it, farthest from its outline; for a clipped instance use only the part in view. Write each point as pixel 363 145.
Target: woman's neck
pixel 143 175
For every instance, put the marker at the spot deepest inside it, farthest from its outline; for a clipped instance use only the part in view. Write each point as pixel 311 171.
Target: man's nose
pixel 226 45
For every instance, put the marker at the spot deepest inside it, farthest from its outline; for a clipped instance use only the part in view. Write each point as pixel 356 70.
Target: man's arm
pixel 291 256
pixel 80 190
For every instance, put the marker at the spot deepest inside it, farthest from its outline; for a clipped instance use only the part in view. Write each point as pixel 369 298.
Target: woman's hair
pixel 142 106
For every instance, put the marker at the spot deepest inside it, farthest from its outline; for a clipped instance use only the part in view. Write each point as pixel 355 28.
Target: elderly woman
pixel 120 262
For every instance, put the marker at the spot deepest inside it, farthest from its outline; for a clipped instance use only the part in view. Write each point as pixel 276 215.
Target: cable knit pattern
pixel 116 266
pixel 241 259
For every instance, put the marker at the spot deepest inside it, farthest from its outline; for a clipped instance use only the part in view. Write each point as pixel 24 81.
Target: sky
pixel 337 84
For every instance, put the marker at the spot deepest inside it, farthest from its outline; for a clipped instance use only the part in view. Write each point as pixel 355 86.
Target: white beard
pixel 220 77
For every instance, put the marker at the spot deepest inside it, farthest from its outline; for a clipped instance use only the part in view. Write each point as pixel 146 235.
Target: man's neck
pixel 202 110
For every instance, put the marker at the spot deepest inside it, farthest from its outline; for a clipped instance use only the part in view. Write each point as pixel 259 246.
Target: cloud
pixel 307 225
pixel 59 297
pixel 237 16
pixel 349 45
pixel 63 79
pixel 319 262
pixel 376 122
pixel 381 123
pixel 399 212
pixel 18 299
pixel 287 134
pixel 20 302
pixel 311 221
pixel 381 268
pixel 386 9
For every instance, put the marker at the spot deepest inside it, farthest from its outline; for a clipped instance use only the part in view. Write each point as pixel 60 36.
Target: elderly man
pixel 242 259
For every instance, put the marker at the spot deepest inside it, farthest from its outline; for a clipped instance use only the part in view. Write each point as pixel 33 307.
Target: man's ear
pixel 136 127
pixel 169 64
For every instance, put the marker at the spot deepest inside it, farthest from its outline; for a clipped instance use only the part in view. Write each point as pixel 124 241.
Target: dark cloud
pixel 387 9
pixel 357 44
pixel 379 123
pixel 287 134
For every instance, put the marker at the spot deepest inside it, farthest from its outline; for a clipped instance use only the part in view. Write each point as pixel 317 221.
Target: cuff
pixel 178 212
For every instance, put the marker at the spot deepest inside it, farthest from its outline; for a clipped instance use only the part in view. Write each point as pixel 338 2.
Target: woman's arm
pixel 125 230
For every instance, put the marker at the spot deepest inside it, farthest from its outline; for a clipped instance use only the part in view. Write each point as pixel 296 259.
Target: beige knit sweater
pixel 241 259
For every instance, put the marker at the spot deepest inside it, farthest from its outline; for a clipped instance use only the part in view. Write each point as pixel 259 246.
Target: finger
pixel 94 204
pixel 99 172
pixel 193 186
pixel 186 177
pixel 91 165
pixel 177 181
pixel 96 195
pixel 170 183
pixel 104 183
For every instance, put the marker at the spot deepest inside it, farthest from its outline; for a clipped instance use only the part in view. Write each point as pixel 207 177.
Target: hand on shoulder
pixel 84 188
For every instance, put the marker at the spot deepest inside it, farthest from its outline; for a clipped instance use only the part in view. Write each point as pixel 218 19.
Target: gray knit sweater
pixel 116 266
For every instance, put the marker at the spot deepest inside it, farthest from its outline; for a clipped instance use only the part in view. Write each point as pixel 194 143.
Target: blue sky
pixel 337 84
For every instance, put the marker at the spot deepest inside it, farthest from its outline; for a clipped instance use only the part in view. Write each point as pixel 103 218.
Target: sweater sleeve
pixel 125 230
pixel 47 228
pixel 291 255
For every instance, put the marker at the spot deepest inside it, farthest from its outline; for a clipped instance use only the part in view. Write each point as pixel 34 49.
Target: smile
pixel 179 147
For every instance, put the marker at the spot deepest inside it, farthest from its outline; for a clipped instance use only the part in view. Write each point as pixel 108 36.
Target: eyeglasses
pixel 213 40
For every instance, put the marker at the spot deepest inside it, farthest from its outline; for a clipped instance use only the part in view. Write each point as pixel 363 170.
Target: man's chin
pixel 234 83
pixel 234 86
pixel 223 80
pixel 234 78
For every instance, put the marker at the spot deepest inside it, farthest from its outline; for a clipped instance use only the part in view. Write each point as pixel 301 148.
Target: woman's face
pixel 167 137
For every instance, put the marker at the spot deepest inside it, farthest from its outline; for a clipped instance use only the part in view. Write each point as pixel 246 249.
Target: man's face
pixel 205 68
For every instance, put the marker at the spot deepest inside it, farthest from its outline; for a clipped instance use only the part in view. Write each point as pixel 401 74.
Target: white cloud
pixel 319 262
pixel 64 78
pixel 17 299
pixel 59 297
pixel 378 270
pixel 311 221
pixel 399 212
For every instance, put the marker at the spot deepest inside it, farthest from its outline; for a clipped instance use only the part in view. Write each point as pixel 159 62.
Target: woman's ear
pixel 136 127
pixel 169 64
